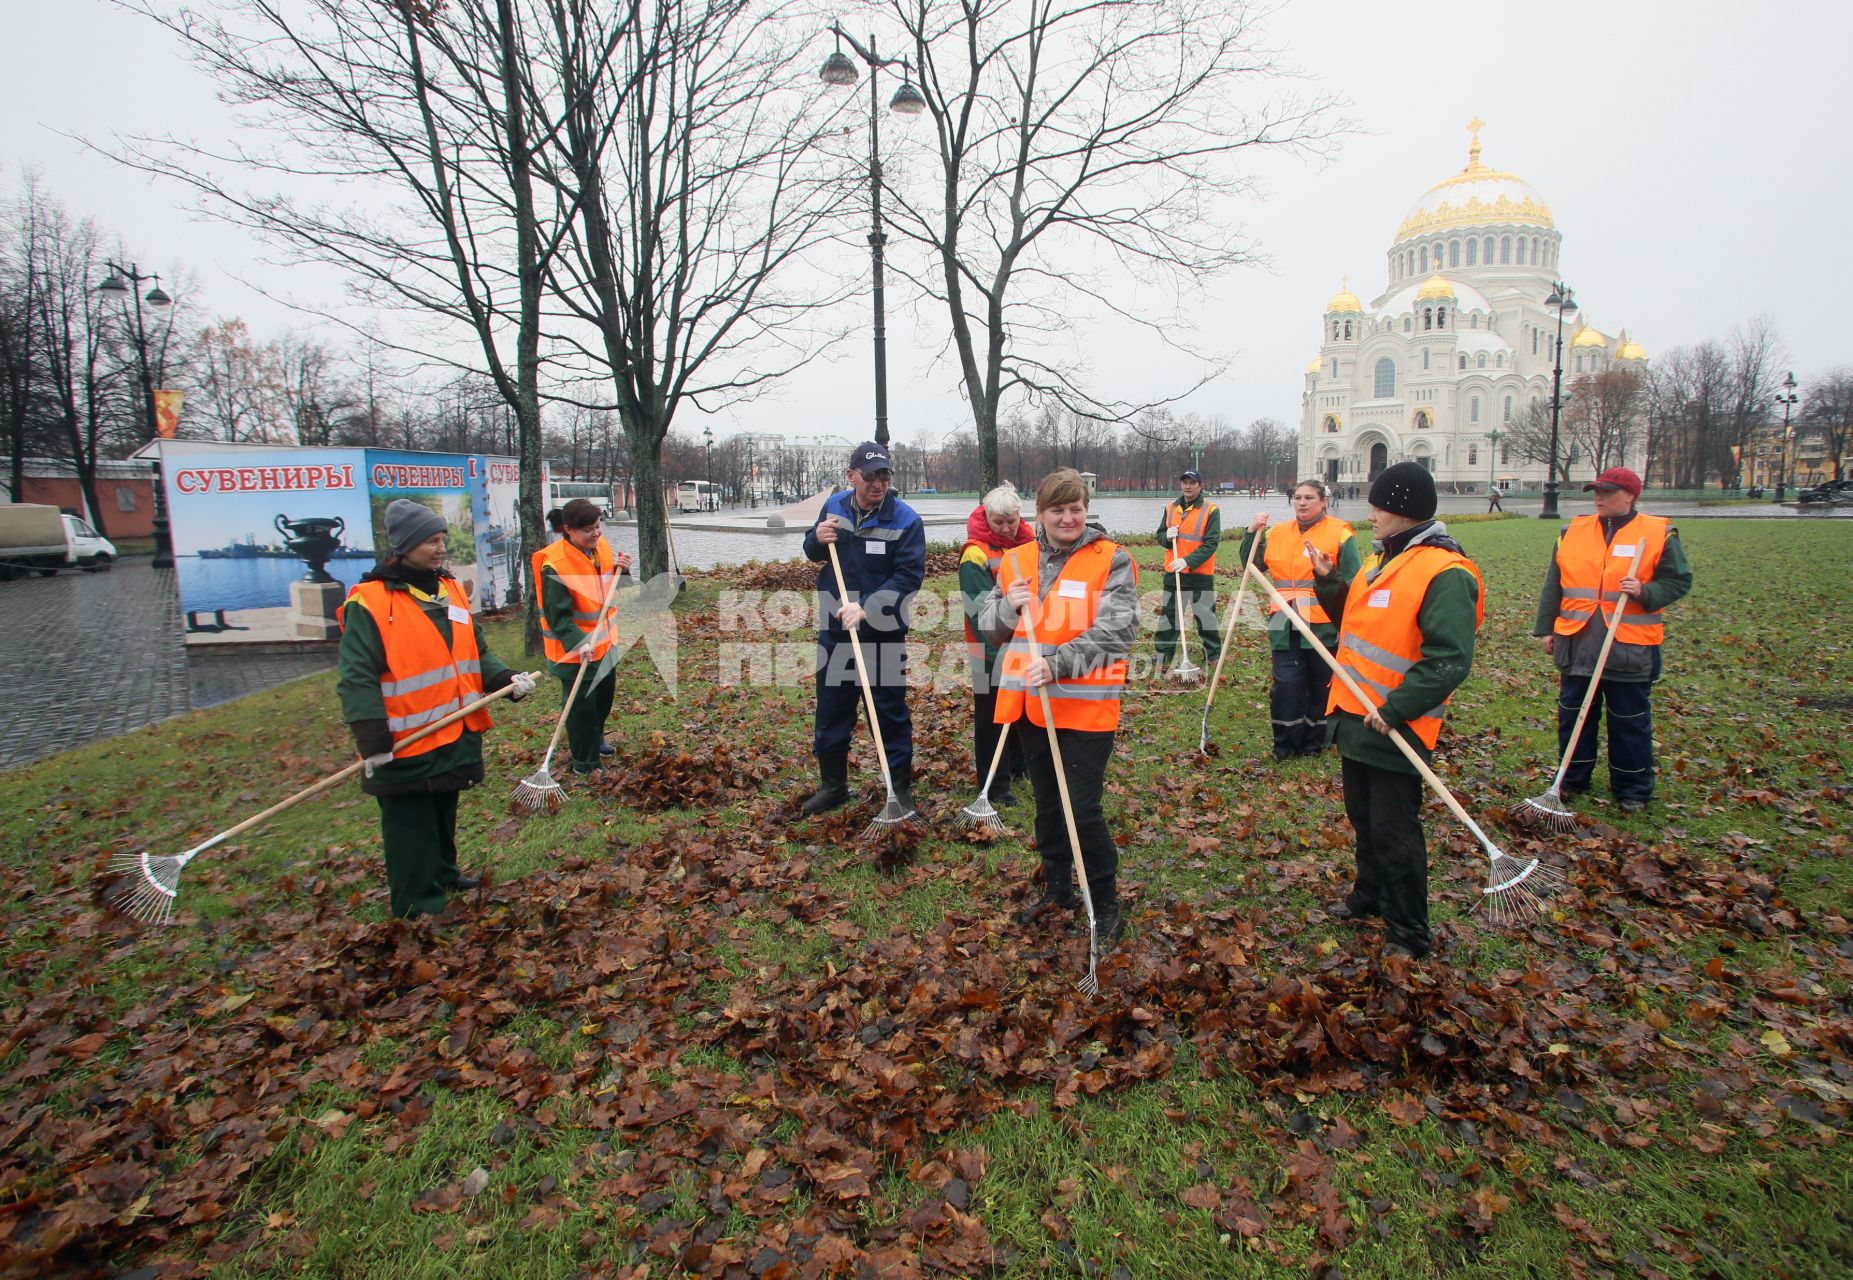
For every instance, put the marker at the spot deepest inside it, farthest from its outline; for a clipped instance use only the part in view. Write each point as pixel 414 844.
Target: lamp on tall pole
pixel 128 281
pixel 839 72
pixel 1492 458
pixel 1564 300
pixel 1786 398
pixel 708 435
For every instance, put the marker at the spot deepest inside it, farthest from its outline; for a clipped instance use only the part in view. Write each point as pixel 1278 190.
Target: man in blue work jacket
pixel 882 545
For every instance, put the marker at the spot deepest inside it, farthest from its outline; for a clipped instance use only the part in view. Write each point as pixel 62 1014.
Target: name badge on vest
pixel 1622 549
pixel 1380 598
pixel 874 548
pixel 460 615
pixel 1071 589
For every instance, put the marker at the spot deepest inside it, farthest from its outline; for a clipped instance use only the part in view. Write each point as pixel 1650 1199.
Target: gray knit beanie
pixel 409 523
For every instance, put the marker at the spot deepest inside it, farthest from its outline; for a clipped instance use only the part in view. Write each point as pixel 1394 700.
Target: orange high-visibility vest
pixel 1190 526
pixel 1290 569
pixel 1089 702
pixel 1381 637
pixel 1588 565
pixel 587 580
pixel 425 679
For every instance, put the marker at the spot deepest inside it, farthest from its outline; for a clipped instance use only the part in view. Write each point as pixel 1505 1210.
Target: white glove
pixel 522 685
pixel 584 650
pixel 1176 565
pixel 374 762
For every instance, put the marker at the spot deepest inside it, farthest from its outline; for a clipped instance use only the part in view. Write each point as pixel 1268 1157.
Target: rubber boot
pixel 903 775
pixel 833 791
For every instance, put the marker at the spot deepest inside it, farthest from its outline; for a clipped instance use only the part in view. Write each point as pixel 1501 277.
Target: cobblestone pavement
pixel 88 656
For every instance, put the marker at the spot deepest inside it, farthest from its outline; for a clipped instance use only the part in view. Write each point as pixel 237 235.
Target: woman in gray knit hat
pixel 411 653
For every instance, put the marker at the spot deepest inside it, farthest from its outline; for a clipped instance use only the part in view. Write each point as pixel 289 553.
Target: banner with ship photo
pixel 441 481
pixel 267 542
pixel 494 489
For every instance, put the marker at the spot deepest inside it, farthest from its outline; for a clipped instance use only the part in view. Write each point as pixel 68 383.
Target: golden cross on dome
pixel 1473 152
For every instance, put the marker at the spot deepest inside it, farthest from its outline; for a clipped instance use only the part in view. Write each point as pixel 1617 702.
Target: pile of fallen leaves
pixel 799 575
pixel 660 775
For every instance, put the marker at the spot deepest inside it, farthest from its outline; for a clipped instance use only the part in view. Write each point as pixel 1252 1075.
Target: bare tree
pixel 22 358
pixel 1829 414
pixel 1603 417
pixel 1756 353
pixel 1087 154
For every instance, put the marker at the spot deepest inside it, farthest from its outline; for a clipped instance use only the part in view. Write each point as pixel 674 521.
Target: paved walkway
pixel 89 656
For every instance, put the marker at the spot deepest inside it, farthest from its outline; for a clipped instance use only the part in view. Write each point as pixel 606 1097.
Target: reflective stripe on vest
pixel 1091 701
pixel 587 579
pixel 1590 570
pixel 425 678
pixel 1290 569
pixel 1380 639
pixel 1190 526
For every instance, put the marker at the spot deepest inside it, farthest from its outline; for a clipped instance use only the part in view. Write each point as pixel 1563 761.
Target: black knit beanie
pixel 1406 489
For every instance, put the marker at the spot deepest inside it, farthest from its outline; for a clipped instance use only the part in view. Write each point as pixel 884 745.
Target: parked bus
pixel 698 495
pixel 561 492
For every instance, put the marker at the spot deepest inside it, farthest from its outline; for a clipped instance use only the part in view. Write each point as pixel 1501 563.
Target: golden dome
pixel 1316 365
pixel 1629 350
pixel 1474 196
pixel 1587 337
pixel 1436 286
pixel 1344 301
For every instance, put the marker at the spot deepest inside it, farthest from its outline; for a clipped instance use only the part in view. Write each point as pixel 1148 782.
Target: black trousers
pixel 1631 734
pixel 585 718
pixel 1385 808
pixel 839 698
pixel 1199 603
pixel 1084 759
pixel 419 831
pixel 1296 703
pixel 985 732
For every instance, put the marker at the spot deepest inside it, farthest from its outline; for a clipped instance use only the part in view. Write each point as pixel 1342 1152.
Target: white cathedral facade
pixel 1458 347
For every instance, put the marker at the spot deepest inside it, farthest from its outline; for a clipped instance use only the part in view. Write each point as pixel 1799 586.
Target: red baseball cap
pixel 1616 478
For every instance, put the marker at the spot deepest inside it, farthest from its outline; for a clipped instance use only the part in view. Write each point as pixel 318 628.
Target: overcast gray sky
pixel 1694 154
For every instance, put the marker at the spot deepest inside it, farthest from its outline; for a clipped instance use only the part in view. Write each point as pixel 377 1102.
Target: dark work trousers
pixel 985 731
pixel 1200 603
pixel 1296 703
pixel 1084 756
pixel 585 718
pixel 420 835
pixel 1385 809
pixel 1631 734
pixel 839 696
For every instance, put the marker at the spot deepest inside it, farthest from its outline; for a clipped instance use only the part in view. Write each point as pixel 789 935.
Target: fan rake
pixel 979 812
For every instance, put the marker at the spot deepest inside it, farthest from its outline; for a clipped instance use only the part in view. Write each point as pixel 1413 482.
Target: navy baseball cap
pixel 1191 475
pixel 869 458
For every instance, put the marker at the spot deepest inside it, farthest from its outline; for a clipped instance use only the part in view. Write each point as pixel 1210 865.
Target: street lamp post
pixel 129 280
pixel 708 435
pixel 1786 398
pixel 1492 459
pixel 840 72
pixel 1563 299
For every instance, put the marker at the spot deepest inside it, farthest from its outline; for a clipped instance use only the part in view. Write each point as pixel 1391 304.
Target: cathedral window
pixel 1441 317
pixel 1425 259
pixel 1508 408
pixel 1534 342
pixel 1473 322
pixel 1473 254
pixel 1473 454
pixel 1473 409
pixel 1335 368
pixel 1480 361
pixel 1406 321
pixel 1334 331
pixel 1505 249
pixel 1463 359
pixel 1347 328
pixel 1428 319
pixel 1499 360
pixel 1386 378
pixel 1489 251
pixel 1534 250
pixel 1521 251
pixel 1505 454
pixel 1454 253
pixel 1425 357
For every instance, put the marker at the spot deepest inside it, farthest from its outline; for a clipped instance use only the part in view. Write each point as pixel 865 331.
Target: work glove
pixel 1176 565
pixel 584 650
pixel 522 685
pixel 374 762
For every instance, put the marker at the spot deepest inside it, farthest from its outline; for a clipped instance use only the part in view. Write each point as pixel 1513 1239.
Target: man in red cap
pixel 1594 571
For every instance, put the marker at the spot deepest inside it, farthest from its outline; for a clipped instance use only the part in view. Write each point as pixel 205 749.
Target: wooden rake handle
pixel 862 673
pixel 1061 773
pixel 1595 677
pixel 604 611
pixel 1364 699
pixel 334 779
pixel 1235 612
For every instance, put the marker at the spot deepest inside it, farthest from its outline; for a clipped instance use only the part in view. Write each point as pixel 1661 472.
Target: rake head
pixel 538 793
pixel 1187 670
pixel 892 815
pixel 979 813
pixel 1090 981
pixel 147 888
pixel 1546 812
pixel 1520 889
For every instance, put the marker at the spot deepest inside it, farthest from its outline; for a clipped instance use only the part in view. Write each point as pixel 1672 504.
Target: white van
pixel 41 539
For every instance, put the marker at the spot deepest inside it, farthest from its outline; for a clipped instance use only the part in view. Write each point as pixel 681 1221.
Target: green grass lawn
pixel 688 1031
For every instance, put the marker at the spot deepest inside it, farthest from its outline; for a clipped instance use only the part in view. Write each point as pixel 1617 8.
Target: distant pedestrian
pixel 1492 499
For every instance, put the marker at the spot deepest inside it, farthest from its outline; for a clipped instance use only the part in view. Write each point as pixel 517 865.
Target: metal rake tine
pixel 1090 982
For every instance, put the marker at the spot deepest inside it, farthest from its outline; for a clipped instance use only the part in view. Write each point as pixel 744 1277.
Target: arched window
pixel 1347 328
pixel 1454 253
pixel 1473 253
pixel 1534 342
pixel 1473 321
pixel 1480 361
pixel 1499 359
pixel 1424 260
pixel 1473 409
pixel 1505 249
pixel 1334 366
pixel 1488 246
pixel 1505 454
pixel 1406 322
pixel 1334 331
pixel 1428 319
pixel 1425 357
pixel 1521 251
pixel 1534 250
pixel 1508 413
pixel 1441 317
pixel 1463 359
pixel 1386 378
pixel 1473 455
